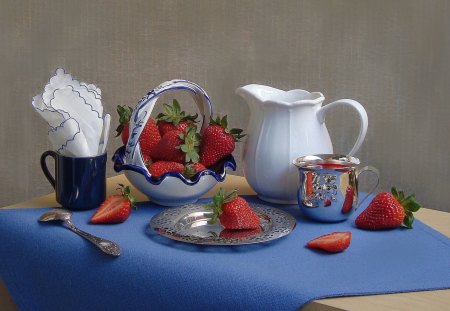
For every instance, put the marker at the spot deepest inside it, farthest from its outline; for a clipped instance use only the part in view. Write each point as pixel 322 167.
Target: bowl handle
pixel 144 109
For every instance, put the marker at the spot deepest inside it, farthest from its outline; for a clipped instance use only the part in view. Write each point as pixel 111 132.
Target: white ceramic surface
pixel 173 189
pixel 285 125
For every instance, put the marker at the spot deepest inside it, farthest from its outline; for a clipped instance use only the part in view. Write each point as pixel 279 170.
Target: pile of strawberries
pixel 171 142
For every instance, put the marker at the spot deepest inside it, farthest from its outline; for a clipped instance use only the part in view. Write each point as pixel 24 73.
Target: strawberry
pixel 124 122
pixel 388 211
pixel 150 134
pixel 178 147
pixel 191 169
pixel 173 118
pixel 239 234
pixel 116 208
pixel 218 141
pixel 150 137
pixel 233 211
pixel 333 242
pixel 159 168
pixel 348 200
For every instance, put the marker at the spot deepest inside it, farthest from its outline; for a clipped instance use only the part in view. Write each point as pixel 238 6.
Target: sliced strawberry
pixel 333 242
pixel 116 208
pixel 159 168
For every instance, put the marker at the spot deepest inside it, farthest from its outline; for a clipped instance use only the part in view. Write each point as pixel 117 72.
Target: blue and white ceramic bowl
pixel 171 189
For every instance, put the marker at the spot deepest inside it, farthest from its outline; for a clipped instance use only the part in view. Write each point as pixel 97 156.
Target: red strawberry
pixel 159 168
pixel 239 234
pixel 178 147
pixel 348 200
pixel 150 134
pixel 191 169
pixel 309 185
pixel 233 211
pixel 387 211
pixel 173 118
pixel 333 242
pixel 116 208
pixel 218 141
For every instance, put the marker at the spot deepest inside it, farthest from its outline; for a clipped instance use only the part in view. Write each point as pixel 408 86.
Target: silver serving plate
pixel 189 223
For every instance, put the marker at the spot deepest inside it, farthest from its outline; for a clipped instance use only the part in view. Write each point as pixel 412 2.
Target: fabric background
pixel 392 56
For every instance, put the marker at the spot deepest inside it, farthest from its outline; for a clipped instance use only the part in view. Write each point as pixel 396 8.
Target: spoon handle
pixel 106 246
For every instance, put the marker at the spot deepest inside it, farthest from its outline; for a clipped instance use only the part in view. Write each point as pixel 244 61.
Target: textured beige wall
pixel 392 56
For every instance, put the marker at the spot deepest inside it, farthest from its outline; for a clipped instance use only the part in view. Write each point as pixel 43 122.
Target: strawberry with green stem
pixel 232 211
pixel 150 136
pixel 192 169
pixel 173 118
pixel 388 211
pixel 218 141
pixel 178 147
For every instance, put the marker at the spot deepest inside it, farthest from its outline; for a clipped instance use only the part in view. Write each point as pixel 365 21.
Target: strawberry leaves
pixel 410 205
pixel 174 114
pixel 190 145
pixel 124 117
pixel 223 122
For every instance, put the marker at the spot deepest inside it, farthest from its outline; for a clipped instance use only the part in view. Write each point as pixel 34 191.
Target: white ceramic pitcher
pixel 285 125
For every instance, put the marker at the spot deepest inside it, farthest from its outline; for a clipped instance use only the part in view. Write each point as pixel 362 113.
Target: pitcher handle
pixel 374 171
pixel 144 108
pixel 362 117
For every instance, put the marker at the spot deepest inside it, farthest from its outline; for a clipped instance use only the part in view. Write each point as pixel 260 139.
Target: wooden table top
pixel 425 300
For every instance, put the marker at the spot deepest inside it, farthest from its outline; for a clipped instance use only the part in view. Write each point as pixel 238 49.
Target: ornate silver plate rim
pixel 188 224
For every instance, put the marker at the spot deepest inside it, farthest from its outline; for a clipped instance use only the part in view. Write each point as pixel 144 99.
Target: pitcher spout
pixel 257 92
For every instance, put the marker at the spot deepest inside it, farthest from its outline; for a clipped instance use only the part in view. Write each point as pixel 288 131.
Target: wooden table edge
pixel 428 300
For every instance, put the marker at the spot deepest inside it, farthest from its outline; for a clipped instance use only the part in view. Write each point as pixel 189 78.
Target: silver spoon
pixel 108 247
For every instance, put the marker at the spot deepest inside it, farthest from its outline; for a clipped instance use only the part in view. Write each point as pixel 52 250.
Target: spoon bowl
pixel 59 214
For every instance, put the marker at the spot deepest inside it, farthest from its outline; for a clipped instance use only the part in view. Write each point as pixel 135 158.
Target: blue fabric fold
pixel 47 267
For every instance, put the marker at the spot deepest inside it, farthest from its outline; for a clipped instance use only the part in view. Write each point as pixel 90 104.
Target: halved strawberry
pixel 116 208
pixel 233 211
pixel 333 242
pixel 173 118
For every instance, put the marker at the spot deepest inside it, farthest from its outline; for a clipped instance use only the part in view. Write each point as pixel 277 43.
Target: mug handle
pixel 44 167
pixel 362 117
pixel 374 171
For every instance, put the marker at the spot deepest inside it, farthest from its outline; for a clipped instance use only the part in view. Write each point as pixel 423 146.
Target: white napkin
pixel 74 112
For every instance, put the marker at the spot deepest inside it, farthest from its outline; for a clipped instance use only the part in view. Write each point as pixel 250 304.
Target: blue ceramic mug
pixel 79 183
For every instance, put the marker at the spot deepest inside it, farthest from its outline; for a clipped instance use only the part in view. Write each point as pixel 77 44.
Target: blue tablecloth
pixel 47 267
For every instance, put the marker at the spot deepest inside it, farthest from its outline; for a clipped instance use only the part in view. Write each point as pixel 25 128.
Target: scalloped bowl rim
pixel 120 165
